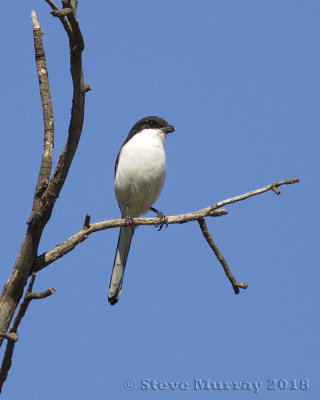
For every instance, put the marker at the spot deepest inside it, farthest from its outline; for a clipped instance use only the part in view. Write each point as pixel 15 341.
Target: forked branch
pixel 48 187
pixel 215 210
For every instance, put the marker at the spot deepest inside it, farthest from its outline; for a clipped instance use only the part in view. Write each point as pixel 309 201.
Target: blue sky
pixel 240 81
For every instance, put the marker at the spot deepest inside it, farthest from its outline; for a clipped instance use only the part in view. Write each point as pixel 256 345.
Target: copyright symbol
pixel 129 384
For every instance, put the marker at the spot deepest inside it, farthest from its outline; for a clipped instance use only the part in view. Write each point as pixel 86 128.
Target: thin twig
pixel 40 295
pixel 87 219
pixel 244 196
pixel 65 23
pixel 23 306
pixel 12 336
pixel 60 250
pixel 52 4
pixel 235 284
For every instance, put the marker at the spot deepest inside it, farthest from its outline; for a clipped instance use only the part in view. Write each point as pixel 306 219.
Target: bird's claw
pixel 130 222
pixel 163 220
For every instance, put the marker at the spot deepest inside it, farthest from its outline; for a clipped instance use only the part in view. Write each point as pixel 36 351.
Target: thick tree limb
pixel 215 210
pixel 42 71
pixel 47 193
pixel 13 289
pixel 12 336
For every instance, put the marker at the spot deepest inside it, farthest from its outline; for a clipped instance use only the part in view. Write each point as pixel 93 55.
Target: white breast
pixel 141 172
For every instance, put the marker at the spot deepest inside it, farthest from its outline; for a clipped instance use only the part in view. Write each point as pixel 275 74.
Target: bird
pixel 140 171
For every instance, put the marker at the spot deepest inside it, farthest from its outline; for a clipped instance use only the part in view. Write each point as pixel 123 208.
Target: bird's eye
pixel 152 122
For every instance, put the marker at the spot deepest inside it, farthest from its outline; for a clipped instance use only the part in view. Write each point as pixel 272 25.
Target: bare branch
pixel 73 30
pixel 74 4
pixel 45 197
pixel 9 336
pixel 60 250
pixel 13 289
pixel 273 186
pixel 6 362
pixel 40 295
pixel 235 284
pixel 52 4
pixel 77 112
pixel 46 162
pixel 276 190
pixel 61 13
pixel 12 336
pixel 87 219
pixel 64 22
pixel 23 306
pixel 78 42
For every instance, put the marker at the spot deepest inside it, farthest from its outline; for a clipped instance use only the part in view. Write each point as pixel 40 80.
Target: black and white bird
pixel 139 177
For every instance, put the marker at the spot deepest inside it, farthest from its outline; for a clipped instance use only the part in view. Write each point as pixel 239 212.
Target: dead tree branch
pixel 12 336
pixel 273 186
pixel 235 284
pixel 47 190
pixel 42 71
pixel 64 22
pixel 215 210
pixel 62 249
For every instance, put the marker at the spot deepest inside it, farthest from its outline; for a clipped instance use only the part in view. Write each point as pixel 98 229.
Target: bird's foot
pixel 163 220
pixel 130 222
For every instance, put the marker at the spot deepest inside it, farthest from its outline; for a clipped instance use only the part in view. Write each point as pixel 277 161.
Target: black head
pixel 151 122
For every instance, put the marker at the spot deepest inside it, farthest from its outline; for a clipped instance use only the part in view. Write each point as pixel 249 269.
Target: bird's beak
pixel 168 129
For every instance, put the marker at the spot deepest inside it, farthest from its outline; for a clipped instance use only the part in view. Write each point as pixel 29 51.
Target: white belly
pixel 140 173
